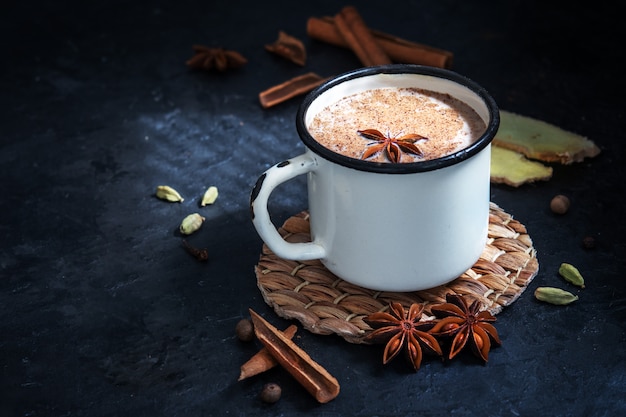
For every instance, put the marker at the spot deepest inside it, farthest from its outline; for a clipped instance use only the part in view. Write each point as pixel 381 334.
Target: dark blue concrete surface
pixel 104 314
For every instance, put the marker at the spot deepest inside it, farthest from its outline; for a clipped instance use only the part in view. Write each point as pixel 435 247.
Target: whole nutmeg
pixel 270 393
pixel 244 330
pixel 559 204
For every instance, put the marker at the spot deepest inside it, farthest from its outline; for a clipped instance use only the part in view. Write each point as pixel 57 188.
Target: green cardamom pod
pixel 165 192
pixel 571 274
pixel 191 223
pixel 210 195
pixel 555 296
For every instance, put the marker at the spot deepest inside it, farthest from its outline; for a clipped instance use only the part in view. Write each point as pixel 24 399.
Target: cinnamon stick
pixel 289 47
pixel 357 35
pixel 293 87
pixel 263 361
pixel 312 376
pixel 399 50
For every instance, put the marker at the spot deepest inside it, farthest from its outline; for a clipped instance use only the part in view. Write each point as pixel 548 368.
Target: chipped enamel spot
pixel 255 193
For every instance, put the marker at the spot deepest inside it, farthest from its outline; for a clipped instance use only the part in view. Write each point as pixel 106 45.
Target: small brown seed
pixel 245 330
pixel 559 204
pixel 270 393
pixel 478 341
pixel 589 242
pixel 450 326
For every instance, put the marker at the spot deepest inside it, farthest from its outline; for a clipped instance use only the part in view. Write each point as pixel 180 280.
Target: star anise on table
pixel 465 324
pixel 393 146
pixel 220 59
pixel 402 331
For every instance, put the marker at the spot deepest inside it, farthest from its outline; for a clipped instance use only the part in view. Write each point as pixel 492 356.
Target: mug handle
pixel 264 186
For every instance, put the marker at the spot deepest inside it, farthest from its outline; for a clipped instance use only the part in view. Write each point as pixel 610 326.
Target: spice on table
pixel 220 59
pixel 514 169
pixel 556 296
pixel 291 88
pixel 191 223
pixel 571 274
pixel 288 47
pixel 199 254
pixel 466 324
pixel 312 376
pixel 244 330
pixel 399 50
pixel 210 195
pixel 167 193
pixel 357 35
pixel 270 393
pixel 403 331
pixel 263 361
pixel 559 204
pixel 542 141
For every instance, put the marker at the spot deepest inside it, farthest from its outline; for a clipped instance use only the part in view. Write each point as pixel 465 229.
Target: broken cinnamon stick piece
pixel 263 361
pixel 312 376
pixel 288 47
pixel 358 37
pixel 293 87
pixel 399 50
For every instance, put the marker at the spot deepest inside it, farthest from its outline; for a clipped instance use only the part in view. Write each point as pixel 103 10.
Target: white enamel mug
pixel 388 226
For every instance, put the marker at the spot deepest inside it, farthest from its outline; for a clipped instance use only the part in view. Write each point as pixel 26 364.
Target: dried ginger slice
pixel 542 141
pixel 512 168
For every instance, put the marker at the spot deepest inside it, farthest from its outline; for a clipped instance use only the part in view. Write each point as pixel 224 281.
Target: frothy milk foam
pixel 449 124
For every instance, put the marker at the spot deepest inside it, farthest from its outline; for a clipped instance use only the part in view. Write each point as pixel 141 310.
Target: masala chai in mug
pixel 397 161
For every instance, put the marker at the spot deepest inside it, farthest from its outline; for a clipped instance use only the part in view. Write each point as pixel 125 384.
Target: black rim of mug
pixel 400 168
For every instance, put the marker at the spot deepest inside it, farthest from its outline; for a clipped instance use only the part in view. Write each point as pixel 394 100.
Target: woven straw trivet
pixel 325 304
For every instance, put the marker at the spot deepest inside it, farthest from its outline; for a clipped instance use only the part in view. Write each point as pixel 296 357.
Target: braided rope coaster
pixel 325 304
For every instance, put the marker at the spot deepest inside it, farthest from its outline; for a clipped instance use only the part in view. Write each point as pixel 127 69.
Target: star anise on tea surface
pixel 466 324
pixel 220 59
pixel 402 331
pixel 393 146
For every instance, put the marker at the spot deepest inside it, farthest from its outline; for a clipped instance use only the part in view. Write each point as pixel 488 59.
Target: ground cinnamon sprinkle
pixel 449 124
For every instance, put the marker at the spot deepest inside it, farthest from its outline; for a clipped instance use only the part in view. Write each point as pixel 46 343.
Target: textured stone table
pixel 105 314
